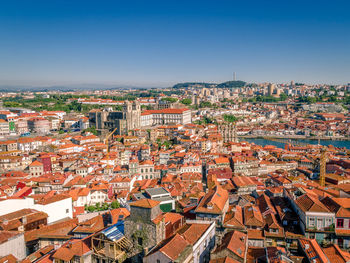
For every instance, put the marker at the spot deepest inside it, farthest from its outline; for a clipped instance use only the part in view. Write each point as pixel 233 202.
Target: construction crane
pixel 323 162
pixel 107 138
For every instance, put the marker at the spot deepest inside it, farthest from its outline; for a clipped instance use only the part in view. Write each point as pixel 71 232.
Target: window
pixel 311 235
pixel 340 223
pixel 139 241
pixel 67 211
pixel 311 221
pixel 158 261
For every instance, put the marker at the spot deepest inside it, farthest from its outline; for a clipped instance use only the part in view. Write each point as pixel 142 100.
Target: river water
pixel 263 142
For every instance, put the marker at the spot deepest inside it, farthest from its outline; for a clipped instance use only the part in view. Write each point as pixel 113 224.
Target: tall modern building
pixel 271 89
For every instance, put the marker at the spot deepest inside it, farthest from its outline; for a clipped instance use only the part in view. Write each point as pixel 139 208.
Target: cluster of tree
pixel 205 104
pixel 54 103
pixel 311 100
pixel 130 97
pixel 102 207
pixel 164 143
pixel 230 118
pixel 170 99
pixel 186 101
pixel 205 120
pixel 232 84
pixel 227 84
pixel 259 98
pixel 191 84
pixel 347 100
pixel 91 129
pixel 146 107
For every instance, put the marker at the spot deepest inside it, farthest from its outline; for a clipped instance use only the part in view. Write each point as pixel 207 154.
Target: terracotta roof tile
pixel 145 203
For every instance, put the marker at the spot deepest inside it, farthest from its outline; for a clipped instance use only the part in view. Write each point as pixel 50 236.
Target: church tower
pixel 132 115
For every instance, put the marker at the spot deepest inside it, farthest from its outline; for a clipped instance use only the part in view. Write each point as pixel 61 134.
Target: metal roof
pixel 157 191
pixel 113 233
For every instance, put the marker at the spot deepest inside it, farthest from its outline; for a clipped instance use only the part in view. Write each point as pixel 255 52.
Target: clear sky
pixel 145 43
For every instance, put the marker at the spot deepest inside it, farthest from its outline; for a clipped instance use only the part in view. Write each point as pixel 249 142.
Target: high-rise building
pixel 271 89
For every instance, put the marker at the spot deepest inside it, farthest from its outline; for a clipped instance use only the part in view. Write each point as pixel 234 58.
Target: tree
pixel 75 106
pixel 311 100
pixel 91 208
pixel 205 104
pixel 232 84
pixel 115 204
pixel 186 101
pixel 283 97
pixel 230 118
pixel 104 207
pixel 171 100
pixel 91 129
pixel 118 108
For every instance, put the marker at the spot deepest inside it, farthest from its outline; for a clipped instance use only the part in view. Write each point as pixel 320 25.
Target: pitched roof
pixel 310 203
pixel 313 250
pixel 8 259
pixel 336 255
pixel 253 216
pixel 234 218
pixel 6 235
pixel 235 242
pixel 193 232
pixel 223 260
pixel 213 202
pixel 174 247
pixel 36 163
pixel 145 203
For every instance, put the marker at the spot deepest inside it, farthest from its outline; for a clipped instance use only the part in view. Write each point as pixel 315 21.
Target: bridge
pixel 294 142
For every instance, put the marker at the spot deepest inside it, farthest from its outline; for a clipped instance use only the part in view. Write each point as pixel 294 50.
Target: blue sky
pixel 158 43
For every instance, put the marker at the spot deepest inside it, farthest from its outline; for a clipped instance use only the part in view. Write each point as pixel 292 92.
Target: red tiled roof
pixel 145 203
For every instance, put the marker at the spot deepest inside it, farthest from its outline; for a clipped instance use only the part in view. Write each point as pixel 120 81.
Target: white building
pixel 13 243
pixel 56 207
pixel 166 116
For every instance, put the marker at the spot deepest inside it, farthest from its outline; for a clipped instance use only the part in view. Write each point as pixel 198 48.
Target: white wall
pixel 205 243
pixel 56 211
pixel 15 246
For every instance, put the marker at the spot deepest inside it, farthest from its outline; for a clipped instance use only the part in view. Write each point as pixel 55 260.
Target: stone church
pixel 107 120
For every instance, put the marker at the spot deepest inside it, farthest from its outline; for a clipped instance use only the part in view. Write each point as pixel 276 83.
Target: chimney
pixel 307 246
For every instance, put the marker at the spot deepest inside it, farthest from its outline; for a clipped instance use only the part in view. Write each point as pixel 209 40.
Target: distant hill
pixel 8 88
pixel 231 84
pixel 227 84
pixel 192 84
